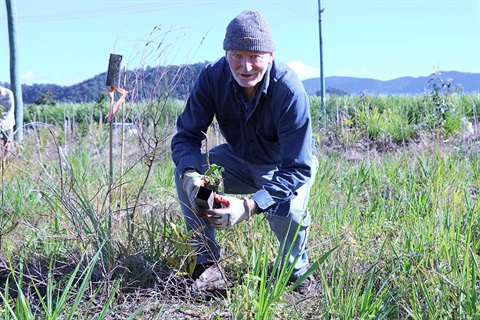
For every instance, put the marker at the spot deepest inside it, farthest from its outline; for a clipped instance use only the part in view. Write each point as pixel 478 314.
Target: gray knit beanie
pixel 249 31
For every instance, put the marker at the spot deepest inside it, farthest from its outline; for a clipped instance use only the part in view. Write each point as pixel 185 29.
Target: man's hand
pixel 192 181
pixel 233 211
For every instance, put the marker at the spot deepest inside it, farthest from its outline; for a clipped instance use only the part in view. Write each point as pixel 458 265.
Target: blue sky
pixel 68 41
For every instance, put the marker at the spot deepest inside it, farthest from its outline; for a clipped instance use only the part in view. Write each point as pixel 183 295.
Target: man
pixel 263 113
pixel 7 120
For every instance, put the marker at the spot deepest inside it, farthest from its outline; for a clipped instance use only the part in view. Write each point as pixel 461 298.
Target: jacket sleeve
pixel 296 145
pixel 192 126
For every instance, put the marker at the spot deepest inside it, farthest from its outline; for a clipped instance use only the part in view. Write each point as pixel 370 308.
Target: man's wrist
pixel 187 170
pixel 252 205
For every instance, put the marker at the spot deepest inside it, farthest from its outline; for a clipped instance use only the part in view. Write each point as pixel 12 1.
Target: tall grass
pixel 395 118
pixel 407 236
pixel 404 223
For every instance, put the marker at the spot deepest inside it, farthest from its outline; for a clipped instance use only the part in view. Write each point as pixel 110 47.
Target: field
pixel 91 228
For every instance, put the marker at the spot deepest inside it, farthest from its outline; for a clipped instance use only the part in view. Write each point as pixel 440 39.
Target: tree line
pixel 174 81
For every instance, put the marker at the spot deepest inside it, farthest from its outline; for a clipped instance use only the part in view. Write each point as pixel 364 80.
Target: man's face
pixel 248 68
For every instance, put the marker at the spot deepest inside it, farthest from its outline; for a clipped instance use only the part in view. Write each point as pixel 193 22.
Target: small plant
pixel 213 177
pixel 442 117
pixel 102 101
pixel 183 257
pixel 46 100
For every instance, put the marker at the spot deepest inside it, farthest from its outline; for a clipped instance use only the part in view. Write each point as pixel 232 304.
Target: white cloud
pixel 31 77
pixel 303 71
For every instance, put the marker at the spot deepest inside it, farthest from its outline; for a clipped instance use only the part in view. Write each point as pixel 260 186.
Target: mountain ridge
pixel 468 81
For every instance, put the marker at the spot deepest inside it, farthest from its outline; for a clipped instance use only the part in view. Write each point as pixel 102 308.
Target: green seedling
pixel 213 177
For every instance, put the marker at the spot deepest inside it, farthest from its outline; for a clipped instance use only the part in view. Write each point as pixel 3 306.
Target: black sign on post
pixel 113 74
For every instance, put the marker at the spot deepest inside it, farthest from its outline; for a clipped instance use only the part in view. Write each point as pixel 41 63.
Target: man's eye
pixel 256 58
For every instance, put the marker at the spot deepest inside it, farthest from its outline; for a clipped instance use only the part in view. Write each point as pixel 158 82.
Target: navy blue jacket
pixel 277 130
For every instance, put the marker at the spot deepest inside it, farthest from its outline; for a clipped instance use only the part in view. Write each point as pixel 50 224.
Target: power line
pixel 108 11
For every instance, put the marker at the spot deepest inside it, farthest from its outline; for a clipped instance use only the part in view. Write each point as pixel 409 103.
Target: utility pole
pixel 322 76
pixel 15 85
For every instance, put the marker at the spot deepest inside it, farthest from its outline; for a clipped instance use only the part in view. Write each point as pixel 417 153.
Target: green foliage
pixel 399 119
pixel 404 225
pixel 102 101
pixel 46 99
pixel 79 118
pixel 265 284
pixel 443 117
pixel 183 257
pixel 62 298
pixel 388 124
pixel 213 177
pixel 408 233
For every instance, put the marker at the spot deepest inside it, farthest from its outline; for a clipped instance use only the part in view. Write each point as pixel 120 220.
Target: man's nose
pixel 246 64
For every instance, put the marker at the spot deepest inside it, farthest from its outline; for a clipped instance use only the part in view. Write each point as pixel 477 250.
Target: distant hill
pixel 470 83
pixel 176 81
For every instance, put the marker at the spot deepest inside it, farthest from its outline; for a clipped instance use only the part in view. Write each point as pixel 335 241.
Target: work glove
pixel 192 181
pixel 233 211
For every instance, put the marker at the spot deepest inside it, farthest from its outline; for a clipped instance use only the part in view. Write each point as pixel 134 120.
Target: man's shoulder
pixel 216 65
pixel 216 70
pixel 281 69
pixel 283 74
